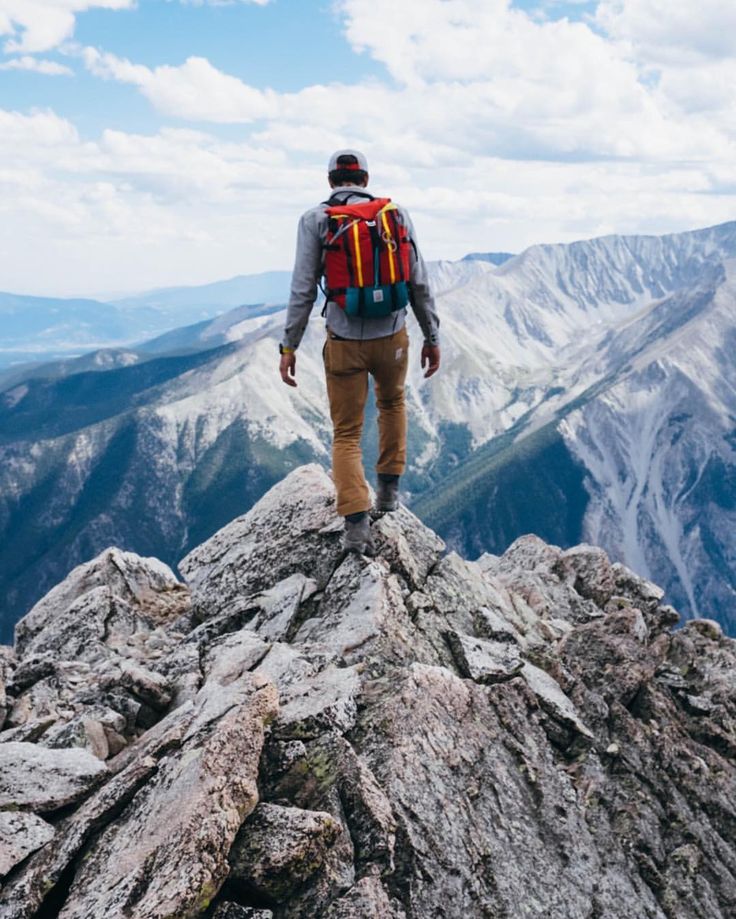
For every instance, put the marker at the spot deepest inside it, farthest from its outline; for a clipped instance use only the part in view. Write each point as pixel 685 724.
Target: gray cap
pixel 361 164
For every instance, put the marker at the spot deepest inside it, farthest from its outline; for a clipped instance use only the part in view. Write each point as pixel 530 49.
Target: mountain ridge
pixel 346 737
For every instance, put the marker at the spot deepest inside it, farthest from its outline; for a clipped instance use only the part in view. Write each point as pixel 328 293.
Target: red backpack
pixel 366 258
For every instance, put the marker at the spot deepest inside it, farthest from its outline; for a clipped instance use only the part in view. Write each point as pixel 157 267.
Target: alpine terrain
pixel 288 732
pixel 587 393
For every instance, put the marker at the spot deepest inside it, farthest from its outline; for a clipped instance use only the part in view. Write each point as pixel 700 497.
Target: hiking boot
pixel 387 494
pixel 358 536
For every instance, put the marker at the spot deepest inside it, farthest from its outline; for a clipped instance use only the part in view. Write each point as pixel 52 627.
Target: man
pixel 360 344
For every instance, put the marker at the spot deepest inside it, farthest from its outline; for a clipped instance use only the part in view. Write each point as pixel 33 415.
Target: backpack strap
pixel 337 199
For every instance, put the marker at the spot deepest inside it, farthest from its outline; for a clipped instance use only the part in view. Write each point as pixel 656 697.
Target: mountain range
pixel 586 393
pixel 44 329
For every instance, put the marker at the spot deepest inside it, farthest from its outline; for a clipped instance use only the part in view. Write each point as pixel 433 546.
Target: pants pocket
pixel 342 357
pixel 332 356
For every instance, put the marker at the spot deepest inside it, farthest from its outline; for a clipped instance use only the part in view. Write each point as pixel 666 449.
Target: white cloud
pixel 182 206
pixel 472 77
pixel 37 65
pixel 39 130
pixel 40 25
pixel 131 210
pixel 196 90
pixel 496 129
pixel 478 40
pixel 686 52
pixel 672 32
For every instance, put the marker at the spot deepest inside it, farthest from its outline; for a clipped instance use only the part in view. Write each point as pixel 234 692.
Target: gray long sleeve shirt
pixel 309 267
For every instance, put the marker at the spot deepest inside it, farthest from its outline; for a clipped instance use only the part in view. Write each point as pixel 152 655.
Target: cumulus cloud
pixel 136 210
pixel 40 25
pixel 497 128
pixel 24 133
pixel 469 76
pixel 685 53
pixel 195 90
pixel 37 65
pixel 186 206
pixel 675 33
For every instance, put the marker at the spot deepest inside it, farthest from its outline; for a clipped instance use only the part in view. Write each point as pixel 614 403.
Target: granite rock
pixel 279 848
pixel 43 780
pixel 166 855
pixel 296 733
pixel 21 834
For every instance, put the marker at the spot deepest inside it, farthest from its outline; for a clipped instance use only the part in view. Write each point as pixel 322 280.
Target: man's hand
pixel 287 368
pixel 430 359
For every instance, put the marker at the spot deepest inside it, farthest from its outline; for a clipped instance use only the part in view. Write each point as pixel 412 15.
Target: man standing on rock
pixel 365 248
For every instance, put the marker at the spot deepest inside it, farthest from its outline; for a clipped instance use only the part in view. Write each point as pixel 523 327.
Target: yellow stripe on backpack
pixel 358 257
pixel 390 245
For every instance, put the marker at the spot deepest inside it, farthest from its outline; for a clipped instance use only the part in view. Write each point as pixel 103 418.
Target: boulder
pixel 485 661
pixel 545 578
pixel 278 537
pixel 20 835
pixel 589 572
pixel 26 893
pixel 280 607
pixel 279 849
pixel 312 701
pixel 143 586
pixel 411 549
pixel 366 900
pixel 556 704
pixel 166 855
pixel 43 780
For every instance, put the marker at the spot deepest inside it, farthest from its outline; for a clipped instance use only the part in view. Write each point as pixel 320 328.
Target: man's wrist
pixel 284 349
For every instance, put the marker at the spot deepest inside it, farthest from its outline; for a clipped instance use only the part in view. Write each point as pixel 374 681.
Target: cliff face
pixel 294 734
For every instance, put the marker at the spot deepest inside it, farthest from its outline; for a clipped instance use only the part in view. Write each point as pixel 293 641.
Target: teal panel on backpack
pixel 375 302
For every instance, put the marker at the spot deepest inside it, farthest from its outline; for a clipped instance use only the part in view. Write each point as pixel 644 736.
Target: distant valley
pixel 42 329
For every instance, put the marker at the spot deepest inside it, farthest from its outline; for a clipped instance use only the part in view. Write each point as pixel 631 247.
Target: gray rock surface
pixel 145 584
pixel 280 848
pixel 167 853
pixel 278 537
pixel 366 900
pixel 7 659
pixel 292 733
pixel 43 780
pixel 485 661
pixel 235 911
pixel 97 639
pixel 20 834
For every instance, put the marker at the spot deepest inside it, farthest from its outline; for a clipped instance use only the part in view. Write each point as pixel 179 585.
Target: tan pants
pixel 347 365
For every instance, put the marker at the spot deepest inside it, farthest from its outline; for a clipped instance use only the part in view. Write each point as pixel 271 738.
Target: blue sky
pixel 284 45
pixel 163 142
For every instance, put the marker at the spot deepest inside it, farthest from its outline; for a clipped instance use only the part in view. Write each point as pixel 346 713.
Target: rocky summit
pixel 288 732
